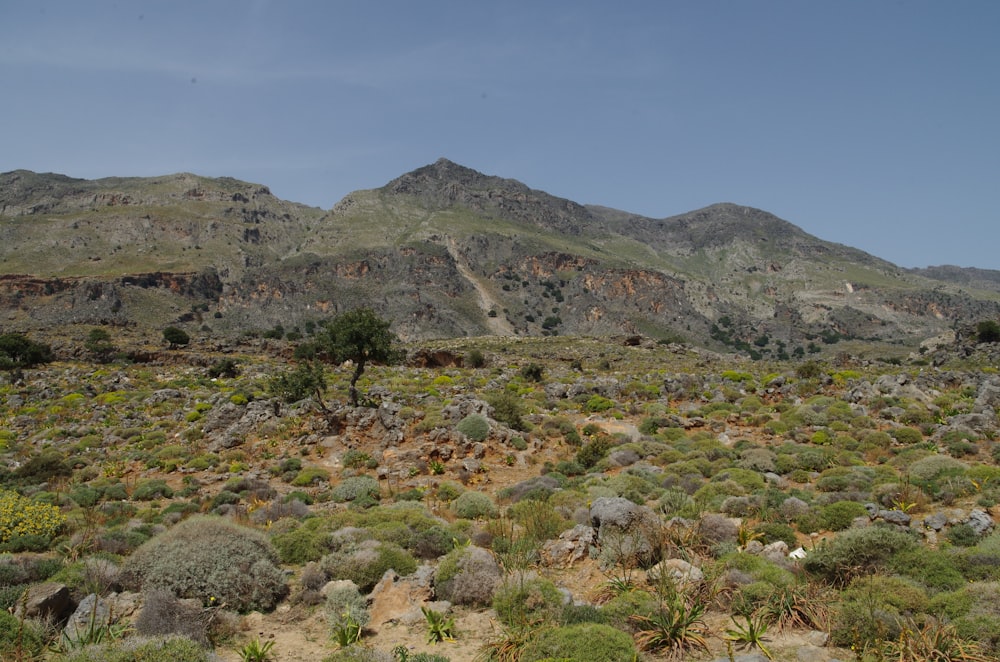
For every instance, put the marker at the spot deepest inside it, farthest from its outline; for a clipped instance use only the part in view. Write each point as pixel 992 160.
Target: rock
pixel 92 613
pixel 897 517
pixel 681 573
pixel 776 551
pixel 754 547
pixel 623 458
pixel 936 521
pixel 980 521
pixel 571 546
pixel 393 597
pixel 47 600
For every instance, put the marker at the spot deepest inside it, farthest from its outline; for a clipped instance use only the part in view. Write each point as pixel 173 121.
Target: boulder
pixel 47 600
pixel 980 521
pixel 680 573
pixel 394 597
pixel 571 546
pixel 92 613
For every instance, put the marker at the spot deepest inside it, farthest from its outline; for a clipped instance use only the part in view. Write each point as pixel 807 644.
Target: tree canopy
pixel 18 351
pixel 359 336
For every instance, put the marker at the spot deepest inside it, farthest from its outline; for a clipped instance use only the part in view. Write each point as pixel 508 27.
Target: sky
pixel 871 123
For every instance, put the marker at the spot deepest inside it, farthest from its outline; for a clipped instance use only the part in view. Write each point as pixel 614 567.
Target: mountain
pixel 445 251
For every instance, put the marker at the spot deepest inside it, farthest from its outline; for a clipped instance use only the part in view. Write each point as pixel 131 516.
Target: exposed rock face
pixel 229 256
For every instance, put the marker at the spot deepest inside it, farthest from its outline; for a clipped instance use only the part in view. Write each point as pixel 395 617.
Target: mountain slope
pixel 446 251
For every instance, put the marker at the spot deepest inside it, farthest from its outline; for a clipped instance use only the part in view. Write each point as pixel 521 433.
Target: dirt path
pixel 499 325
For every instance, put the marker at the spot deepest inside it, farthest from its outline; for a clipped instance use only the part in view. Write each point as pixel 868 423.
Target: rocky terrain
pixel 848 508
pixel 445 251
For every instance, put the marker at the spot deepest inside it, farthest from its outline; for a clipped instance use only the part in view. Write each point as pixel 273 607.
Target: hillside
pixel 445 251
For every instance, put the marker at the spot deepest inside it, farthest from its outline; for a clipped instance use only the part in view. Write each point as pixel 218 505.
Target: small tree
pixel 176 337
pixel 99 345
pixel 359 336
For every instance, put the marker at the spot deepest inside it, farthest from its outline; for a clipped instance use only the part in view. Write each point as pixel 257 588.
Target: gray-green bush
pixel 212 560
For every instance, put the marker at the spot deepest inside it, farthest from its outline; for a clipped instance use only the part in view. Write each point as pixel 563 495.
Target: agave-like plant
pixel 798 606
pixel 675 629
pixel 751 634
pixel 937 642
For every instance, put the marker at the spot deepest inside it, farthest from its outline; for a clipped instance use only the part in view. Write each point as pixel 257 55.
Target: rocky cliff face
pixel 447 251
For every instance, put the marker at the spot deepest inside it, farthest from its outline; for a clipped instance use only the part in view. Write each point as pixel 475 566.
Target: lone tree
pixel 176 337
pixel 359 336
pixel 99 345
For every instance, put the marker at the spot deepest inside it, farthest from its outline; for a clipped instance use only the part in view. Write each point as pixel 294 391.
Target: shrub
pixel 475 427
pixel 840 515
pixel 306 542
pixel 593 452
pixel 715 529
pixel 152 488
pixel 356 487
pixel 312 475
pixel 523 602
pixel 988 331
pixel 344 604
pixel 871 610
pixel 21 517
pixel 585 642
pixel 475 505
pixel 175 336
pixel 143 649
pixel 366 562
pixel 857 552
pixel 508 409
pixel 212 560
pixel 27 639
pixel 163 613
pixel 467 576
pixel 475 359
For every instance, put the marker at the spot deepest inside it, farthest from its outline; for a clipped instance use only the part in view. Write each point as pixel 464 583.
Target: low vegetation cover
pixel 721 503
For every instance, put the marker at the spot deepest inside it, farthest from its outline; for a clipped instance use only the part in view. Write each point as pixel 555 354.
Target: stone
pixel 92 613
pixel 897 517
pixel 980 521
pixel 936 521
pixel 393 597
pixel 47 600
pixel 681 573
pixel 571 546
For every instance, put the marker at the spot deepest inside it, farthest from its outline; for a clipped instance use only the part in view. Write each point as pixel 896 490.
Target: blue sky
pixel 872 123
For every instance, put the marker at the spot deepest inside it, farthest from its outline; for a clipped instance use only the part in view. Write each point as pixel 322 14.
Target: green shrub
pixel 585 642
pixel 857 552
pixel 840 515
pixel 775 531
pixel 522 602
pixel 508 409
pixel 308 541
pixel 598 403
pixel 143 649
pixel 312 475
pixel 475 427
pixel 212 560
pixel 935 569
pixel 355 488
pixel 872 609
pixel 365 563
pixel 475 505
pixel 152 488
pixel 27 639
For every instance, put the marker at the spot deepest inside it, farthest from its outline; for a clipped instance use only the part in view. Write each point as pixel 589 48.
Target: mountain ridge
pixel 445 250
